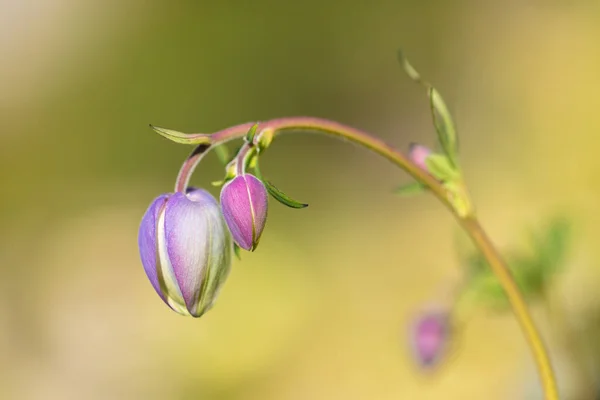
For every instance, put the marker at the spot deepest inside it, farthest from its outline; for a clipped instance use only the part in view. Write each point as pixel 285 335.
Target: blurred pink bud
pixel 418 154
pixel 429 337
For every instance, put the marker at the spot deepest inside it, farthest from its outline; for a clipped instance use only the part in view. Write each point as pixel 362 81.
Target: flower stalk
pixel 454 197
pixel 244 196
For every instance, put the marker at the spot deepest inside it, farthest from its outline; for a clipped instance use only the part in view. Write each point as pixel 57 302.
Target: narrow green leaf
pixel 552 246
pixel 442 119
pixel 410 189
pixel 276 193
pixel 484 288
pixel 180 137
pixel 223 154
pixel 251 133
pixel 444 125
pixel 237 251
pixel 282 197
pixel 441 168
pixel 408 68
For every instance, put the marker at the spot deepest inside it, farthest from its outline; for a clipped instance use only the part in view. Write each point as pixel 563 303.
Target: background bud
pixel 418 154
pixel 185 250
pixel 244 202
pixel 429 337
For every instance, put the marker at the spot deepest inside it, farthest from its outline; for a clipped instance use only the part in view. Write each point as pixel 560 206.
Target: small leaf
pixel 441 168
pixel 442 120
pixel 444 125
pixel 184 138
pixel 276 193
pixel 484 288
pixel 237 251
pixel 223 154
pixel 552 246
pixel 408 68
pixel 282 197
pixel 410 189
pixel 251 133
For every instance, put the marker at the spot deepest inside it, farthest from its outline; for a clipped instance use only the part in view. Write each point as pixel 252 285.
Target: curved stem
pixel 519 307
pixel 468 221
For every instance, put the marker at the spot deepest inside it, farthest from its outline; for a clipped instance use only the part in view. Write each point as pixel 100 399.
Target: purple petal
pixel 188 236
pixel 244 203
pixel 147 242
pixel 260 200
pixel 237 211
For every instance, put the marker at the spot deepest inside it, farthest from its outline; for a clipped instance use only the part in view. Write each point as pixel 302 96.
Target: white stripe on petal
pixel 173 292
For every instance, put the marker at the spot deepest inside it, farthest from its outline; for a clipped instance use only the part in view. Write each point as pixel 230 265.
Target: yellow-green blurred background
pixel 320 310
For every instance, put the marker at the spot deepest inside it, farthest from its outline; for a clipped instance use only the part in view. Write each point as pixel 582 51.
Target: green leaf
pixel 444 125
pixel 552 245
pixel 276 193
pixel 237 251
pixel 408 68
pixel 441 168
pixel 282 197
pixel 410 189
pixel 251 133
pixel 184 138
pixel 442 119
pixel 484 288
pixel 223 154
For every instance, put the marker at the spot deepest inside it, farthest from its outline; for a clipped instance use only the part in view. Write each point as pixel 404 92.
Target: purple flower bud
pixel 418 154
pixel 429 337
pixel 244 203
pixel 186 250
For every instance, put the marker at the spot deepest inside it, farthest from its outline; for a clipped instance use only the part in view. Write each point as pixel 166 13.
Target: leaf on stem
pixel 276 193
pixel 442 119
pixel 237 251
pixel 180 137
pixel 251 132
pixel 223 154
pixel 441 168
pixel 410 189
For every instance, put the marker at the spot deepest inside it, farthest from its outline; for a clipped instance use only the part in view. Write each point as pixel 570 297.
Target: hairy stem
pixel 468 221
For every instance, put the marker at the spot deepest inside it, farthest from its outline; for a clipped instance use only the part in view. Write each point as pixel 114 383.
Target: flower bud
pixel 244 203
pixel 418 154
pixel 185 250
pixel 429 337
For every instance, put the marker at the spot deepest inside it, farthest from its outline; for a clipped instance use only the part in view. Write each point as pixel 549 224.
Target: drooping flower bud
pixel 185 249
pixel 429 337
pixel 418 154
pixel 244 202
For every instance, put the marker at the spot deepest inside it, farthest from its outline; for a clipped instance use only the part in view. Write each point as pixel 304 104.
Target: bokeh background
pixel 320 310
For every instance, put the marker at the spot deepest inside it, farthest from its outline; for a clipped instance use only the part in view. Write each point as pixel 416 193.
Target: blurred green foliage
pixel 532 270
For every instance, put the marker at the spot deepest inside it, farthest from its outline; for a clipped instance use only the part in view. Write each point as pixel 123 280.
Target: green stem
pixel 575 347
pixel 468 220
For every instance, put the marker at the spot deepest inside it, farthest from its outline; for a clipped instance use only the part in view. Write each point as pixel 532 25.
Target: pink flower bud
pixel 244 202
pixel 429 337
pixel 418 154
pixel 185 250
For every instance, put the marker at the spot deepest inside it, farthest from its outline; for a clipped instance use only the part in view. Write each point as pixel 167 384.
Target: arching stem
pixel 468 220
